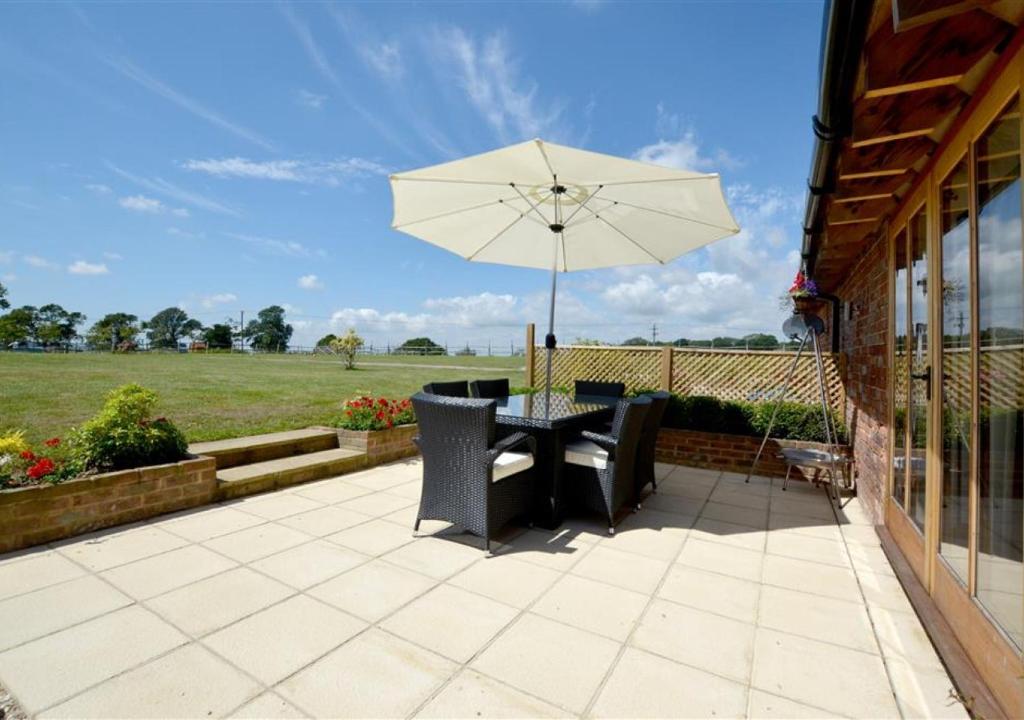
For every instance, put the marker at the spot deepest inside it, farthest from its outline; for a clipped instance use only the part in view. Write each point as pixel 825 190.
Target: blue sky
pixel 224 157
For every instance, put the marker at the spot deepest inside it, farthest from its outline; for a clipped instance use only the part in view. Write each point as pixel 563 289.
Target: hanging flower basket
pixel 804 293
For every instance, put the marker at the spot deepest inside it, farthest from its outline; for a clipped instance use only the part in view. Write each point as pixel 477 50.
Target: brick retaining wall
pixel 381 446
pixel 43 513
pixel 733 453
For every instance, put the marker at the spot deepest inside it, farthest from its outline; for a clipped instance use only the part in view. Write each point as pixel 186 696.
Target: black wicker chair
pixel 489 388
pixel 603 389
pixel 606 463
pixel 456 388
pixel 648 439
pixel 468 479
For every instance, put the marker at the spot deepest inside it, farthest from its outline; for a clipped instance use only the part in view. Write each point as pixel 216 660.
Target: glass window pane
pixel 1000 562
pixel 956 369
pixel 899 454
pixel 917 416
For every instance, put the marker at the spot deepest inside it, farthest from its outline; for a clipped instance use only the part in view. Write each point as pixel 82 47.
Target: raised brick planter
pixel 381 446
pixel 733 453
pixel 42 513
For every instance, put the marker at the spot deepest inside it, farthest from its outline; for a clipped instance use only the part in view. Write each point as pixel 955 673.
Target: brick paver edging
pixel 43 513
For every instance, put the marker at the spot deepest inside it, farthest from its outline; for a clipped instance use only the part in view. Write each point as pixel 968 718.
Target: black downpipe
pixel 842 39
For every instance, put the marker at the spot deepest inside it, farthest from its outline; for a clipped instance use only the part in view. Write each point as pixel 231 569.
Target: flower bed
pixel 36 514
pixel 381 427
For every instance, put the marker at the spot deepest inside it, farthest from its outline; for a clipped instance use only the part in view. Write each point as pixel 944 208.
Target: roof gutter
pixel 842 40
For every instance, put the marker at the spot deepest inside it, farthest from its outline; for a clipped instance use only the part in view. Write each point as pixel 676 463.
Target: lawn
pixel 217 396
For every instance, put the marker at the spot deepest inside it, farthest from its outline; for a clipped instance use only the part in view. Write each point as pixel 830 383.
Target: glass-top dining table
pixel 552 422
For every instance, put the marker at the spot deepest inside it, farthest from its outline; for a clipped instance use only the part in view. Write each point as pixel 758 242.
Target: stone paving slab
pixel 717 599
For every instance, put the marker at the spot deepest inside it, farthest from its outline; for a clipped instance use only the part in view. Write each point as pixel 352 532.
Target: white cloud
pixel 682 150
pixel 331 172
pixel 9 277
pixel 133 72
pixel 185 234
pixel 181 212
pixel 99 188
pixel 167 189
pixel 274 246
pixel 310 282
pixel 491 80
pixel 311 100
pixel 40 262
pixel 113 256
pixel 211 301
pixel 385 58
pixel 81 267
pixel 141 203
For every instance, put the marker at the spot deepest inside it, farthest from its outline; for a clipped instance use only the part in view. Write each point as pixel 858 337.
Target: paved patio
pixel 718 598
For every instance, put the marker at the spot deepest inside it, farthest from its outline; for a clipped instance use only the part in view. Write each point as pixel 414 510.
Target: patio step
pixel 282 472
pixel 270 446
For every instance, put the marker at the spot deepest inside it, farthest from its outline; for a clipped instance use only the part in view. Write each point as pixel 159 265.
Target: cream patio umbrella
pixel 541 205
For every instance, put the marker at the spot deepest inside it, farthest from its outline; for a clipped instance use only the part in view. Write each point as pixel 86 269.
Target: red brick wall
pixel 381 446
pixel 42 513
pixel 733 453
pixel 863 344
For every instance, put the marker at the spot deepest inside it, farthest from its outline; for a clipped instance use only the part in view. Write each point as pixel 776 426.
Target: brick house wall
pixel 863 344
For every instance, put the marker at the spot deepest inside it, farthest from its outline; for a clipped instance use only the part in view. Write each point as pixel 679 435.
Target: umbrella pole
pixel 549 341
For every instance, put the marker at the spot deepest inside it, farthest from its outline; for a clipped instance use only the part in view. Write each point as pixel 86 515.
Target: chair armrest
pixel 507 443
pixel 608 443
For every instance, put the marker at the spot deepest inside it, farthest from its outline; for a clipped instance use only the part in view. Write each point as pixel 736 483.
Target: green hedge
pixel 795 421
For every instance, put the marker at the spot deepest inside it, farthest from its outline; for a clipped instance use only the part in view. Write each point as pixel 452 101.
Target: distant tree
pixel 111 330
pixel 586 341
pixel 466 351
pixel 700 343
pixel 4 302
pixel 639 341
pixel 19 325
pixel 57 327
pixel 326 340
pixel 761 341
pixel 420 346
pixel 218 336
pixel 727 342
pixel 269 331
pixel 681 342
pixel 348 346
pixel 169 326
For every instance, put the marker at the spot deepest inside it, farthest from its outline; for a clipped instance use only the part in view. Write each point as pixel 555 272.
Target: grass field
pixel 217 396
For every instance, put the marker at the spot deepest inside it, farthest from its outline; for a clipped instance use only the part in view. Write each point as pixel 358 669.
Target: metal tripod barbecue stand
pixel 807 327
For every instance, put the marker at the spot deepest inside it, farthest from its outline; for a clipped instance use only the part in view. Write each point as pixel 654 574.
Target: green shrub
pixel 123 434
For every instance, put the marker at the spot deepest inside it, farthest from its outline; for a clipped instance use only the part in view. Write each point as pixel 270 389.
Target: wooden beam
pixel 872 174
pixel 913 86
pixel 896 114
pixel 907 14
pixel 892 138
pixel 861 198
pixel 856 221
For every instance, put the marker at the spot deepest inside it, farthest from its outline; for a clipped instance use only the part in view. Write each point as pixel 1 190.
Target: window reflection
pixel 917 417
pixel 1000 561
pixel 899 455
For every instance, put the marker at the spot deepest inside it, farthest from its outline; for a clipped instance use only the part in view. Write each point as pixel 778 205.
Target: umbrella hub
pixel 556 227
pixel 567 194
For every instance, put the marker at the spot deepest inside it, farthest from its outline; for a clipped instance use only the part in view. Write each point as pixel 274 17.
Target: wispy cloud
pixel 310 99
pixel 133 72
pixel 185 234
pixel 99 188
pixel 81 267
pixel 332 172
pixel 40 262
pixel 318 58
pixel 683 150
pixel 113 256
pixel 141 203
pixel 162 187
pixel 212 301
pixel 492 82
pixel 310 282
pixel 274 246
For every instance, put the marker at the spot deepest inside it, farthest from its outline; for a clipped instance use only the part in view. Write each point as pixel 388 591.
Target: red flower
pixel 27 455
pixel 42 468
pixel 52 442
pixel 390 423
pixel 380 414
pixel 349 413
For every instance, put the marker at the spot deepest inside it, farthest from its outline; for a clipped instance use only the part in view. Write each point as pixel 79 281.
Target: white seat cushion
pixel 510 463
pixel 587 453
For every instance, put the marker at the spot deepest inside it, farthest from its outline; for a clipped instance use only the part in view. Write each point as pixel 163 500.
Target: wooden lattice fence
pixel 747 375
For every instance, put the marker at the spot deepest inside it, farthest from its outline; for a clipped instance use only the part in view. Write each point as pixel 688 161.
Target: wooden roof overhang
pixel 894 81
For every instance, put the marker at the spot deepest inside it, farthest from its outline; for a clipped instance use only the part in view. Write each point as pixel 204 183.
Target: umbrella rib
pixel 647 182
pixel 623 234
pixel 447 180
pixel 500 233
pixel 499 201
pixel 540 146
pixel 533 207
pixel 673 215
pixel 583 205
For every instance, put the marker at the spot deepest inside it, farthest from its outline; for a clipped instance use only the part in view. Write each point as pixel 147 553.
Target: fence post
pixel 666 368
pixel 529 354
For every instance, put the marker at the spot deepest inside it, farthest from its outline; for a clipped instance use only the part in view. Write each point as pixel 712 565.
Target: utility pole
pixel 654 333
pixel 241 328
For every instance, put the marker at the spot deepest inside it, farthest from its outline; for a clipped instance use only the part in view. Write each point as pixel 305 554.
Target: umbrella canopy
pixel 541 205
